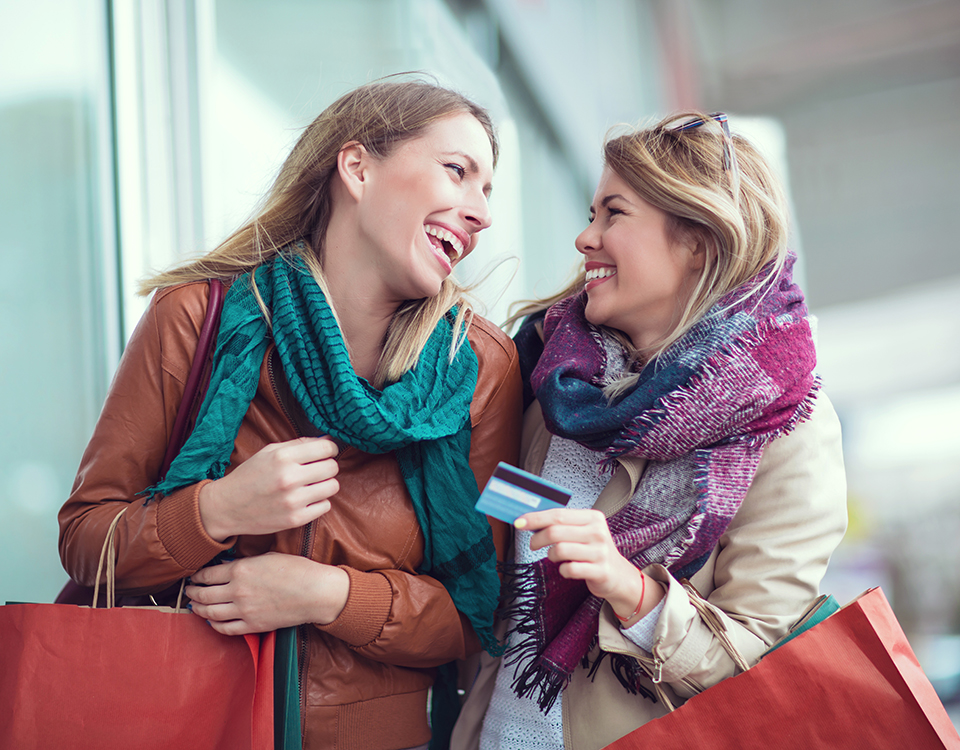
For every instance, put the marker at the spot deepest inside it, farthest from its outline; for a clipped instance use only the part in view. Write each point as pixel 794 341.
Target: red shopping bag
pixel 850 682
pixel 134 677
pixel 75 677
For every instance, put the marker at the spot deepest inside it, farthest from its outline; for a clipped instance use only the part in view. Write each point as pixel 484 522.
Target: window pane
pixel 256 101
pixel 59 338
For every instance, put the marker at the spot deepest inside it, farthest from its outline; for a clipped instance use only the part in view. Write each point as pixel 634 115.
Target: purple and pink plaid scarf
pixel 700 414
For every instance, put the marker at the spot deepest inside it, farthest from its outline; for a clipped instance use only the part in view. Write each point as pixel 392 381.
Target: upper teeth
pixel 443 234
pixel 600 273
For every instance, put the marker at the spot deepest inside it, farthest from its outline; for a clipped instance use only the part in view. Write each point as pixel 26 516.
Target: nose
pixel 477 212
pixel 588 241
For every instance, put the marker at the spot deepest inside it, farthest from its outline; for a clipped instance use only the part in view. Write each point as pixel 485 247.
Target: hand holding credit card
pixel 511 492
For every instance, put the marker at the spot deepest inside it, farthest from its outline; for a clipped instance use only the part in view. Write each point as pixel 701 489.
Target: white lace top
pixel 513 722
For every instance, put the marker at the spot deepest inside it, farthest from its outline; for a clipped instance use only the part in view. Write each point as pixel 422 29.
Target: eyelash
pixel 461 172
pixel 610 212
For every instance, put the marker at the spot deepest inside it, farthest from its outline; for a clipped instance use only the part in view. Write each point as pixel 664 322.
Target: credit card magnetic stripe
pixel 530 483
pixel 511 492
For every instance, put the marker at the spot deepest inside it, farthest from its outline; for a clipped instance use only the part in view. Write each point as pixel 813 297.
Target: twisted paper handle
pixel 111 565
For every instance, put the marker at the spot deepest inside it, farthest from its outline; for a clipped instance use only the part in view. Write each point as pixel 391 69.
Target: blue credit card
pixel 511 492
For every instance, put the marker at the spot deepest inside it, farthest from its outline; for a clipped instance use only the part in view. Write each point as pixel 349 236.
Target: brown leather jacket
pixel 366 675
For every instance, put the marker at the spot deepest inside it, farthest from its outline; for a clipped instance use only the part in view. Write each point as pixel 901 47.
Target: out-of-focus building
pixel 868 95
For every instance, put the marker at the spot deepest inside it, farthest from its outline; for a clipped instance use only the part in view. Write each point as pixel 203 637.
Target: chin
pixel 593 315
pixel 432 290
pixel 424 290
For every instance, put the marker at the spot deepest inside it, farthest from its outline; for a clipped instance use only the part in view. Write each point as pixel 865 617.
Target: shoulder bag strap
pixel 196 386
pixel 193 392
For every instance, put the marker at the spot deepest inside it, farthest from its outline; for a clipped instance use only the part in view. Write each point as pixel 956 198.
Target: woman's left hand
pixel 266 592
pixel 580 541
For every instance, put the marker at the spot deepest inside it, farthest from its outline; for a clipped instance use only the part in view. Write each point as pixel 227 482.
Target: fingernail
pixel 520 523
pixel 189 606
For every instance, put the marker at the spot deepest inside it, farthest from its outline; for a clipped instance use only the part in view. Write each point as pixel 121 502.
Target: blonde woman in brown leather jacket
pixel 329 525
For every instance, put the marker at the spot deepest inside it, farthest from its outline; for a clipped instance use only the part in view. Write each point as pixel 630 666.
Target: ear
pixel 352 163
pixel 694 250
pixel 702 248
pixel 698 256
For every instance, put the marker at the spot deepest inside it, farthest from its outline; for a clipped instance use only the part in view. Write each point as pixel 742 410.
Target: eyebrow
pixel 474 167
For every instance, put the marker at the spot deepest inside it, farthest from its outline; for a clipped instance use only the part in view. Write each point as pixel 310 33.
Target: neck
pixel 363 308
pixel 364 333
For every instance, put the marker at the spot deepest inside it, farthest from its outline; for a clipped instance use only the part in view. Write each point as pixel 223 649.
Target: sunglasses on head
pixel 720 117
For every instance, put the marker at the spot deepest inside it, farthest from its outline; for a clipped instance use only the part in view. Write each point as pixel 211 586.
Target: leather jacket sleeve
pixel 126 450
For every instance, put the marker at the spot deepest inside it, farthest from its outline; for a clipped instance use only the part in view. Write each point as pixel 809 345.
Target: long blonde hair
pixel 717 191
pixel 296 211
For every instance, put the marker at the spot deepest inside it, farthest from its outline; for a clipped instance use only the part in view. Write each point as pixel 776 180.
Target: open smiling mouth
pixel 446 242
pixel 600 273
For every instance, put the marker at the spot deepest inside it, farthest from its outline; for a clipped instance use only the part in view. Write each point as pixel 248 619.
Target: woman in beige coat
pixel 673 390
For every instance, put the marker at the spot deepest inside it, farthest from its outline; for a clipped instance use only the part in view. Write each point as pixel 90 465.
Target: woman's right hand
pixel 282 486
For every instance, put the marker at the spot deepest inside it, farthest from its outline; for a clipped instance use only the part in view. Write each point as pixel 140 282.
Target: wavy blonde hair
pixel 718 191
pixel 295 213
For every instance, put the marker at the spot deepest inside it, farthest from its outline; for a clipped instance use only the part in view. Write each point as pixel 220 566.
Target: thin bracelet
pixel 643 592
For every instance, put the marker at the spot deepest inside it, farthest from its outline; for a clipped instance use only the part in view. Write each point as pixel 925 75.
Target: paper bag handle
pixel 111 565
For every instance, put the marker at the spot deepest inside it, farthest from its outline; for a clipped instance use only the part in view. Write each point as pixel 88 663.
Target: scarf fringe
pixel 158 491
pixel 627 671
pixel 519 606
pixel 520 584
pixel 534 676
pixel 715 367
pixel 539 679
pixel 679 554
pixel 802 412
pixel 542 683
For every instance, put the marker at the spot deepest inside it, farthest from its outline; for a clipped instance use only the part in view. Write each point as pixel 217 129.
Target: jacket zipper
pixel 302 634
pixel 276 394
pixel 303 655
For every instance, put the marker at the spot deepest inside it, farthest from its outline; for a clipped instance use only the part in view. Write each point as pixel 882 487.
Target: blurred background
pixel 134 133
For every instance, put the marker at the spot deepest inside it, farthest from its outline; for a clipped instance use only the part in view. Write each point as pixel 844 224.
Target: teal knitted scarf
pixel 424 418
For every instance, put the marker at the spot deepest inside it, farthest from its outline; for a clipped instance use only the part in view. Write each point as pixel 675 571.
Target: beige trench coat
pixel 763 573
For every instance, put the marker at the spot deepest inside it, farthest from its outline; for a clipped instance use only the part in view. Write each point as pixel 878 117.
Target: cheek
pixel 668 269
